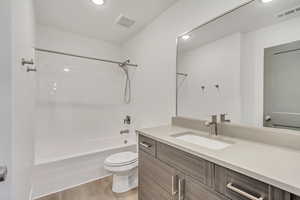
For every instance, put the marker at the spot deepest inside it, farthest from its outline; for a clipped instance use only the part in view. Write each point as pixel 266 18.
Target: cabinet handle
pixel 181 189
pixel 145 144
pixel 174 184
pixel 243 193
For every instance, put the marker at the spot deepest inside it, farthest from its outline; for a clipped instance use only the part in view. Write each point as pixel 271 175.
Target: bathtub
pixel 62 166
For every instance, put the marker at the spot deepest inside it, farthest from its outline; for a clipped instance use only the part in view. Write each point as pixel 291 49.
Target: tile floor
pixel 97 190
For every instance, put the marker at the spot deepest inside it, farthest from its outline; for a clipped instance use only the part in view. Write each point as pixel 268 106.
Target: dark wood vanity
pixel 167 173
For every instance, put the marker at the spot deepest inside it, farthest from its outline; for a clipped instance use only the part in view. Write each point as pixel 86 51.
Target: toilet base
pixel 123 182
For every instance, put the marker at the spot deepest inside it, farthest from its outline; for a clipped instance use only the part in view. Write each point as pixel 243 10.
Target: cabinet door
pixel 150 190
pixel 194 190
pixel 157 180
pixel 160 173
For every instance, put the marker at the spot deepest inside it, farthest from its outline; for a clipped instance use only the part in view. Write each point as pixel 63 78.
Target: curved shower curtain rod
pixel 85 57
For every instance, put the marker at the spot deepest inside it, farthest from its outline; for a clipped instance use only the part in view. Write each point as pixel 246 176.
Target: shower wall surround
pixel 78 99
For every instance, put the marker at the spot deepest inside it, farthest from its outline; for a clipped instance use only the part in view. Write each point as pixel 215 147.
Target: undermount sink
pixel 202 141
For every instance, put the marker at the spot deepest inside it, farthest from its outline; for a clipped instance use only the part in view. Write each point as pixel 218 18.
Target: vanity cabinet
pixel 167 173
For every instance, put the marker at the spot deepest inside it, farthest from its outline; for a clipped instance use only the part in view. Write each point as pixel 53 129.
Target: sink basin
pixel 202 141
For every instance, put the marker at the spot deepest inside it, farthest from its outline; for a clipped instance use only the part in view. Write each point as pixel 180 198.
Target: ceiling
pixel 248 18
pixel 85 18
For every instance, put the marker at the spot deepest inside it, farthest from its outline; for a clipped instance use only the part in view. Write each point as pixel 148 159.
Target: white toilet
pixel 124 167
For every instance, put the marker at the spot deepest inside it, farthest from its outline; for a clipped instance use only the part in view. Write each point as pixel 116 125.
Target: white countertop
pixel 277 166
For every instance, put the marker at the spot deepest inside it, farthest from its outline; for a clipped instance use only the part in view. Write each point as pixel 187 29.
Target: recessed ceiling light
pixel 186 37
pixel 66 69
pixel 98 2
pixel 266 1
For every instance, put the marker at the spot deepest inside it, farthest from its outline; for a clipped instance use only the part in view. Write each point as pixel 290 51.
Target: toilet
pixel 124 167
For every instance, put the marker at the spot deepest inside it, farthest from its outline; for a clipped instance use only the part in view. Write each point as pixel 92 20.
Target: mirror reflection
pixel 244 63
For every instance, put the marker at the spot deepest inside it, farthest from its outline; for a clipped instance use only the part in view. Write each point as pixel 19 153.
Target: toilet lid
pixel 124 158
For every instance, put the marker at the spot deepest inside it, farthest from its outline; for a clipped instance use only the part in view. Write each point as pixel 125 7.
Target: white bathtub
pixel 61 166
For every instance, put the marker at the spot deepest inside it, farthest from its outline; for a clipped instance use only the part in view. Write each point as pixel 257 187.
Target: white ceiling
pixel 84 17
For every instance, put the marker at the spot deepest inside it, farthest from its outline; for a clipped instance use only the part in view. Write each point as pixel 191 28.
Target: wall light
pixel 98 2
pixel 186 37
pixel 266 1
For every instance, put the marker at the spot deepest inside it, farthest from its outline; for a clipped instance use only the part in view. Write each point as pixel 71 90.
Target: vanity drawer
pixel 237 186
pixel 158 172
pixel 148 145
pixel 190 165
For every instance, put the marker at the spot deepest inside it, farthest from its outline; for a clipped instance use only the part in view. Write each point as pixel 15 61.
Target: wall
pixel 154 49
pixel 23 101
pixel 204 69
pixel 252 68
pixel 59 40
pixel 5 91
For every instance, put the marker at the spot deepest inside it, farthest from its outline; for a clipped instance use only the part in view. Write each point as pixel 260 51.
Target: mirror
pixel 244 63
pixel 281 86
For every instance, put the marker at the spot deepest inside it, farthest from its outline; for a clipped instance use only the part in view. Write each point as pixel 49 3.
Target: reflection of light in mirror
pixel 266 1
pixel 66 69
pixel 186 37
pixel 98 2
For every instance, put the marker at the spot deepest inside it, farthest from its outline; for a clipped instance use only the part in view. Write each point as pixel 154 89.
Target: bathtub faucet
pixel 122 132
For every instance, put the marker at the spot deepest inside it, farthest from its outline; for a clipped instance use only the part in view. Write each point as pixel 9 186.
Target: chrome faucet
pixel 213 125
pixel 223 118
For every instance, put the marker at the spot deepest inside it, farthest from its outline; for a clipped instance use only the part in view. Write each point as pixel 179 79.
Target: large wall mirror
pixel 245 63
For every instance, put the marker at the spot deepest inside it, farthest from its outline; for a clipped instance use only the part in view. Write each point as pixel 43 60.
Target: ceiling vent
pixel 289 12
pixel 125 21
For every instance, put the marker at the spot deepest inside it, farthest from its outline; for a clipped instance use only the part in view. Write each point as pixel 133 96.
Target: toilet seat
pixel 121 159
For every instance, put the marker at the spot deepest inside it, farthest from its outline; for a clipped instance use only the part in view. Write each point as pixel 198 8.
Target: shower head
pixel 127 93
pixel 122 65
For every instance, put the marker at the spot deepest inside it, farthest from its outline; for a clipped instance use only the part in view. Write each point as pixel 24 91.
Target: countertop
pixel 275 165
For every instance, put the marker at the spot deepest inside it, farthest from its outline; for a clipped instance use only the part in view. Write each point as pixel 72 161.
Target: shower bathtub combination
pixel 81 106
